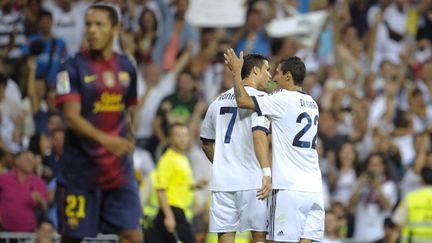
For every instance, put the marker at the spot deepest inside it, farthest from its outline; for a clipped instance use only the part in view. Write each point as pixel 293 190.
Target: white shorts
pixel 293 215
pixel 237 212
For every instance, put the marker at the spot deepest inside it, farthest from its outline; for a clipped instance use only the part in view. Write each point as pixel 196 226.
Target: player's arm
pixel 132 123
pixel 208 148
pixel 235 65
pixel 169 219
pixel 164 173
pixel 77 123
pixel 260 129
pixel 261 146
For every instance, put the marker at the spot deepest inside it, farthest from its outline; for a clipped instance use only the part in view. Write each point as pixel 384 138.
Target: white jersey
pixel 235 166
pixel 294 117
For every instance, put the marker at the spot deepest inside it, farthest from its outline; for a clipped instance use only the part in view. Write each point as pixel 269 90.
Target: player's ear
pixel 255 70
pixel 288 75
pixel 116 29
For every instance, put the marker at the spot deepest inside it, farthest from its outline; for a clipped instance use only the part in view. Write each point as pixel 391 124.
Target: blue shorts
pixel 85 213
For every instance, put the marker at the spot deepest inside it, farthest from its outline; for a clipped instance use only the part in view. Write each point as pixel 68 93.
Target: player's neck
pixel 178 150
pixel 47 36
pixel 249 82
pixel 105 54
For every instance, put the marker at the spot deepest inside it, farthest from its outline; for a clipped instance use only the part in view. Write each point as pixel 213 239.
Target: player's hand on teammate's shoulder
pixel 265 189
pixel 118 145
pixel 233 62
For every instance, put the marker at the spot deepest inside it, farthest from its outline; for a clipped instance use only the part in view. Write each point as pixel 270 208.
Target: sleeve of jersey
pixel 163 174
pixel 269 105
pixel 132 91
pixel 261 123
pixel 67 84
pixel 208 128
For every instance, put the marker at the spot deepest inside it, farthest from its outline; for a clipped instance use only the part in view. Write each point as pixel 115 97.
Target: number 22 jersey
pixel 294 116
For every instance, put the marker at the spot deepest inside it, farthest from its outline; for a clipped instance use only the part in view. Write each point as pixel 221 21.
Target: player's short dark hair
pixel 174 125
pixel 111 10
pixel 426 175
pixel 251 61
pixel 45 13
pixel 296 67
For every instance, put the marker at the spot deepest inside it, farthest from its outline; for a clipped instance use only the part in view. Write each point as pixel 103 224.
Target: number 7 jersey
pixel 235 166
pixel 294 116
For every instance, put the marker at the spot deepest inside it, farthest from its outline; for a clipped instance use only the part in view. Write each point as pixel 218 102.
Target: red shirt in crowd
pixel 17 207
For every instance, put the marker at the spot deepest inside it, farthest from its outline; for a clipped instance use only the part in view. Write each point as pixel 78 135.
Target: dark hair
pixel 426 175
pixel 251 61
pixel 296 67
pixel 34 144
pixel 3 80
pixel 45 13
pixel 111 10
pixel 141 17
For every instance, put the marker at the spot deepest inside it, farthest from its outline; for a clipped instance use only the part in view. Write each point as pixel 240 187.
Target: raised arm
pixel 235 64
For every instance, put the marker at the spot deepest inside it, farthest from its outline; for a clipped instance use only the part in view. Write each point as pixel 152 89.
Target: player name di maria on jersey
pixel 308 104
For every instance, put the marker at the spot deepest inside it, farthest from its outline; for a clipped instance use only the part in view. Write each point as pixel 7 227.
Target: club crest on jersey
pixel 109 79
pixel 63 83
pixel 124 78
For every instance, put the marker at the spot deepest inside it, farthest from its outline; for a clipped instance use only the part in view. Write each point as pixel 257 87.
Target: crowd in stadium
pixel 370 72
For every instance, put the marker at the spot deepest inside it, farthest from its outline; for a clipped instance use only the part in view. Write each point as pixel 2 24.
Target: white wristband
pixel 266 171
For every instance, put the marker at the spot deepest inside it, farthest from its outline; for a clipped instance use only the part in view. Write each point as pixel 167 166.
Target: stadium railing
pixel 8 237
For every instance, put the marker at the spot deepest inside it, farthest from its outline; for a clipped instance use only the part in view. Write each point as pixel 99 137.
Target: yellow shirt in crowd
pixel 174 175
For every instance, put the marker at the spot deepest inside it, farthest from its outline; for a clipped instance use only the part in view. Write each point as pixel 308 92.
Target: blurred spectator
pixel 414 212
pixel 40 145
pixel 176 33
pixel 52 53
pixel 32 11
pixel 332 228
pixel 209 47
pixel 252 38
pixel 342 175
pixel 372 200
pixel 146 36
pixel 68 22
pixel 12 38
pixel 156 88
pixel 37 98
pixel 45 232
pixel 332 140
pixel 21 193
pixel 178 107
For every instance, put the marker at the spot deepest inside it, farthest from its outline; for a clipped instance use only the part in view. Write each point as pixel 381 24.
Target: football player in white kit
pixel 295 208
pixel 240 179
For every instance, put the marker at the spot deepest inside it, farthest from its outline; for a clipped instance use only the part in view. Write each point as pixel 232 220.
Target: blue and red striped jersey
pixel 105 89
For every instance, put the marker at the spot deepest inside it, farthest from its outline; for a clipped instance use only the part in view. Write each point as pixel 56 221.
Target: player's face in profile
pixel 264 76
pixel 278 77
pixel 99 29
pixel 180 137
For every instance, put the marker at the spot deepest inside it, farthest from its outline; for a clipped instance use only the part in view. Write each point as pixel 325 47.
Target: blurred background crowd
pixel 370 71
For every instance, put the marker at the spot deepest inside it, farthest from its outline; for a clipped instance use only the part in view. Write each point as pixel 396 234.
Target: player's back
pixel 235 166
pixel 295 159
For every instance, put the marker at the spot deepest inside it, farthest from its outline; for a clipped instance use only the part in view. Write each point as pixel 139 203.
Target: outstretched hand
pixel 233 62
